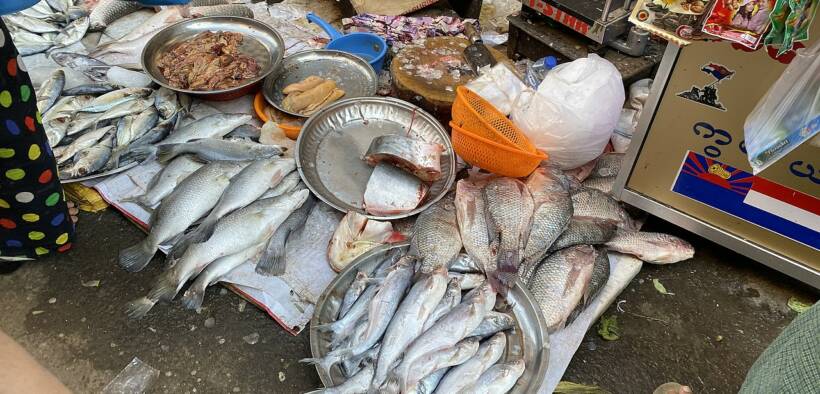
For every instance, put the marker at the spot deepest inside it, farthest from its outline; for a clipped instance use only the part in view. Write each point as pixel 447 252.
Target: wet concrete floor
pixel 725 310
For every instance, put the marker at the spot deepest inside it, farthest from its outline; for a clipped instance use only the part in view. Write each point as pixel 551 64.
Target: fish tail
pixel 272 262
pixel 166 152
pixel 165 289
pixel 194 296
pixel 391 385
pixel 138 308
pixel 135 258
pixel 148 150
pixel 325 363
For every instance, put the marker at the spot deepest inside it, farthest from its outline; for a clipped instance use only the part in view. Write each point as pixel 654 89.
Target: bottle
pixel 537 70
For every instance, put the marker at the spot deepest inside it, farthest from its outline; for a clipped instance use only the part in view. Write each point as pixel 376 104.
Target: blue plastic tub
pixel 12 6
pixel 368 46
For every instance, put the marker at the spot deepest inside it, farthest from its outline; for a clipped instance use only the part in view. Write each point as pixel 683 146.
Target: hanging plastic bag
pixel 788 114
pixel 499 85
pixel 574 111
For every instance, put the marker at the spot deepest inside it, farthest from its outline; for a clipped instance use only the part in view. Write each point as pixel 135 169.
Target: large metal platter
pixel 260 42
pixel 528 340
pixel 102 174
pixel 331 145
pixel 350 72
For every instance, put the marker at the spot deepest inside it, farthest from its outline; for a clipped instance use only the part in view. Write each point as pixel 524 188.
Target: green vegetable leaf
pixel 608 328
pixel 797 305
pixel 660 287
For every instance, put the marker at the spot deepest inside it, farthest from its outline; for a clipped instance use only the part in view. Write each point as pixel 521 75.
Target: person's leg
pixel 34 217
pixel 21 373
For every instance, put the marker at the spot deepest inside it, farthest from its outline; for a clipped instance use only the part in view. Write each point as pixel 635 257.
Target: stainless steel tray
pixel 351 73
pixel 332 143
pixel 529 338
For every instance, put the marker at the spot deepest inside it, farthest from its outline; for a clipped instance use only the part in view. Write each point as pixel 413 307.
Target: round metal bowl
pixel 332 142
pixel 350 72
pixel 528 340
pixel 260 42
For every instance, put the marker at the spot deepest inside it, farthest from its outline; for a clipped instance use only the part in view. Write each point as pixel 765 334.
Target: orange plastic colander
pixel 486 138
pixel 259 104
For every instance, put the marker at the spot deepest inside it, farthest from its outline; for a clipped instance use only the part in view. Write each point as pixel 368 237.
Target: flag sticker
pixel 708 95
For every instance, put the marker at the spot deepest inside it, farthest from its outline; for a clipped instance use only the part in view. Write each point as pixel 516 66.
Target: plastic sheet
pixel 137 377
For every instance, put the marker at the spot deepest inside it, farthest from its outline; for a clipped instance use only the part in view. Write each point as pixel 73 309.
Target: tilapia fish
pixel 420 158
pixel 549 188
pixel 596 204
pixel 605 184
pixel 193 297
pixel 499 378
pixel 50 90
pixel 108 11
pixel 191 200
pixel 472 223
pixel 585 231
pixel 600 275
pixel 391 191
pixel 466 374
pixel 607 165
pixel 356 235
pixel 212 149
pixel 213 126
pixel 509 207
pixel 581 173
pixel 236 232
pixel 656 248
pixel 165 181
pixel 559 283
pixel 436 239
pixel 408 322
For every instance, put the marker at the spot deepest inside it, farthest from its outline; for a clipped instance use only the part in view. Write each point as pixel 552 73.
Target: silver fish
pixel 166 102
pixel 115 98
pixel 472 223
pixel 108 11
pixel 246 187
pixel 272 261
pixel 82 121
pixel 596 204
pixel 60 6
pixel 358 383
pixel 212 149
pixel 57 120
pixel 41 10
pixel 433 361
pixel 465 374
pixel 447 331
pixel 247 131
pixel 464 264
pixel 452 297
pixel 92 88
pixel 222 10
pixel 353 365
pixel 420 158
pixel 608 165
pixel 391 191
pixel 50 90
pixel 193 297
pixel 165 17
pixel 408 322
pixel 122 52
pixel 165 181
pixel 468 281
pixel 288 184
pixel 73 33
pixel 549 188
pixel 89 160
pixel 493 323
pixel 83 142
pixel 192 199
pixel 430 382
pixel 127 108
pixel 33 25
pixel 499 378
pixel 76 12
pixel 558 284
pixel 132 127
pixel 603 184
pixel 343 328
pixel 436 239
pixel 585 231
pixel 353 292
pixel 28 43
pixel 509 207
pixel 156 134
pixel 92 68
pixel 213 126
pixel 600 275
pixel 238 231
pixel 655 248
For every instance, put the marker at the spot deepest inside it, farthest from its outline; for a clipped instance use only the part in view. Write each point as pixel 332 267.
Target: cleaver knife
pixel 476 54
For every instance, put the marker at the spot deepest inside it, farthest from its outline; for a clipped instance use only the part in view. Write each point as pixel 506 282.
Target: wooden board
pixel 427 74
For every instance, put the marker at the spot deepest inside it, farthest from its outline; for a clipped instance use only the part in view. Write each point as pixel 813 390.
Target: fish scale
pixel 107 11
pixel 559 282
pixel 472 223
pixel 585 231
pixel 509 208
pixel 656 248
pixel 597 204
pixel 600 275
pixel 436 240
pixel 468 372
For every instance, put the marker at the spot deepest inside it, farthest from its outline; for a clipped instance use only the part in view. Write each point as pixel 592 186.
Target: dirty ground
pixel 83 335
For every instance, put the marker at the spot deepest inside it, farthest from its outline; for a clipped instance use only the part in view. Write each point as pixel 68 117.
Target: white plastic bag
pixel 574 111
pixel 638 93
pixel 499 85
pixel 788 114
pixel 627 123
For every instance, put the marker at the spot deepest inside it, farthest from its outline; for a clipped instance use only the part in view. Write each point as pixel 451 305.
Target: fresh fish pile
pixel 355 235
pixel 404 330
pixel 48 25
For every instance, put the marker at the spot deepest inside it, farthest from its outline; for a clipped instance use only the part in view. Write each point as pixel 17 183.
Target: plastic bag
pixel 638 93
pixel 500 86
pixel 788 114
pixel 135 378
pixel 627 123
pixel 574 111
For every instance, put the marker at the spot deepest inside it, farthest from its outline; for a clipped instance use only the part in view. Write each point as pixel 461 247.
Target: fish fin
pixel 165 289
pixel 150 151
pixel 135 258
pixel 138 308
pixel 272 261
pixel 194 296
pixel 324 363
pixel 391 385
pixel 166 152
pixel 181 242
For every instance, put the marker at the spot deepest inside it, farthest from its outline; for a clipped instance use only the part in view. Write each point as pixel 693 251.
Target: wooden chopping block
pixel 427 74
